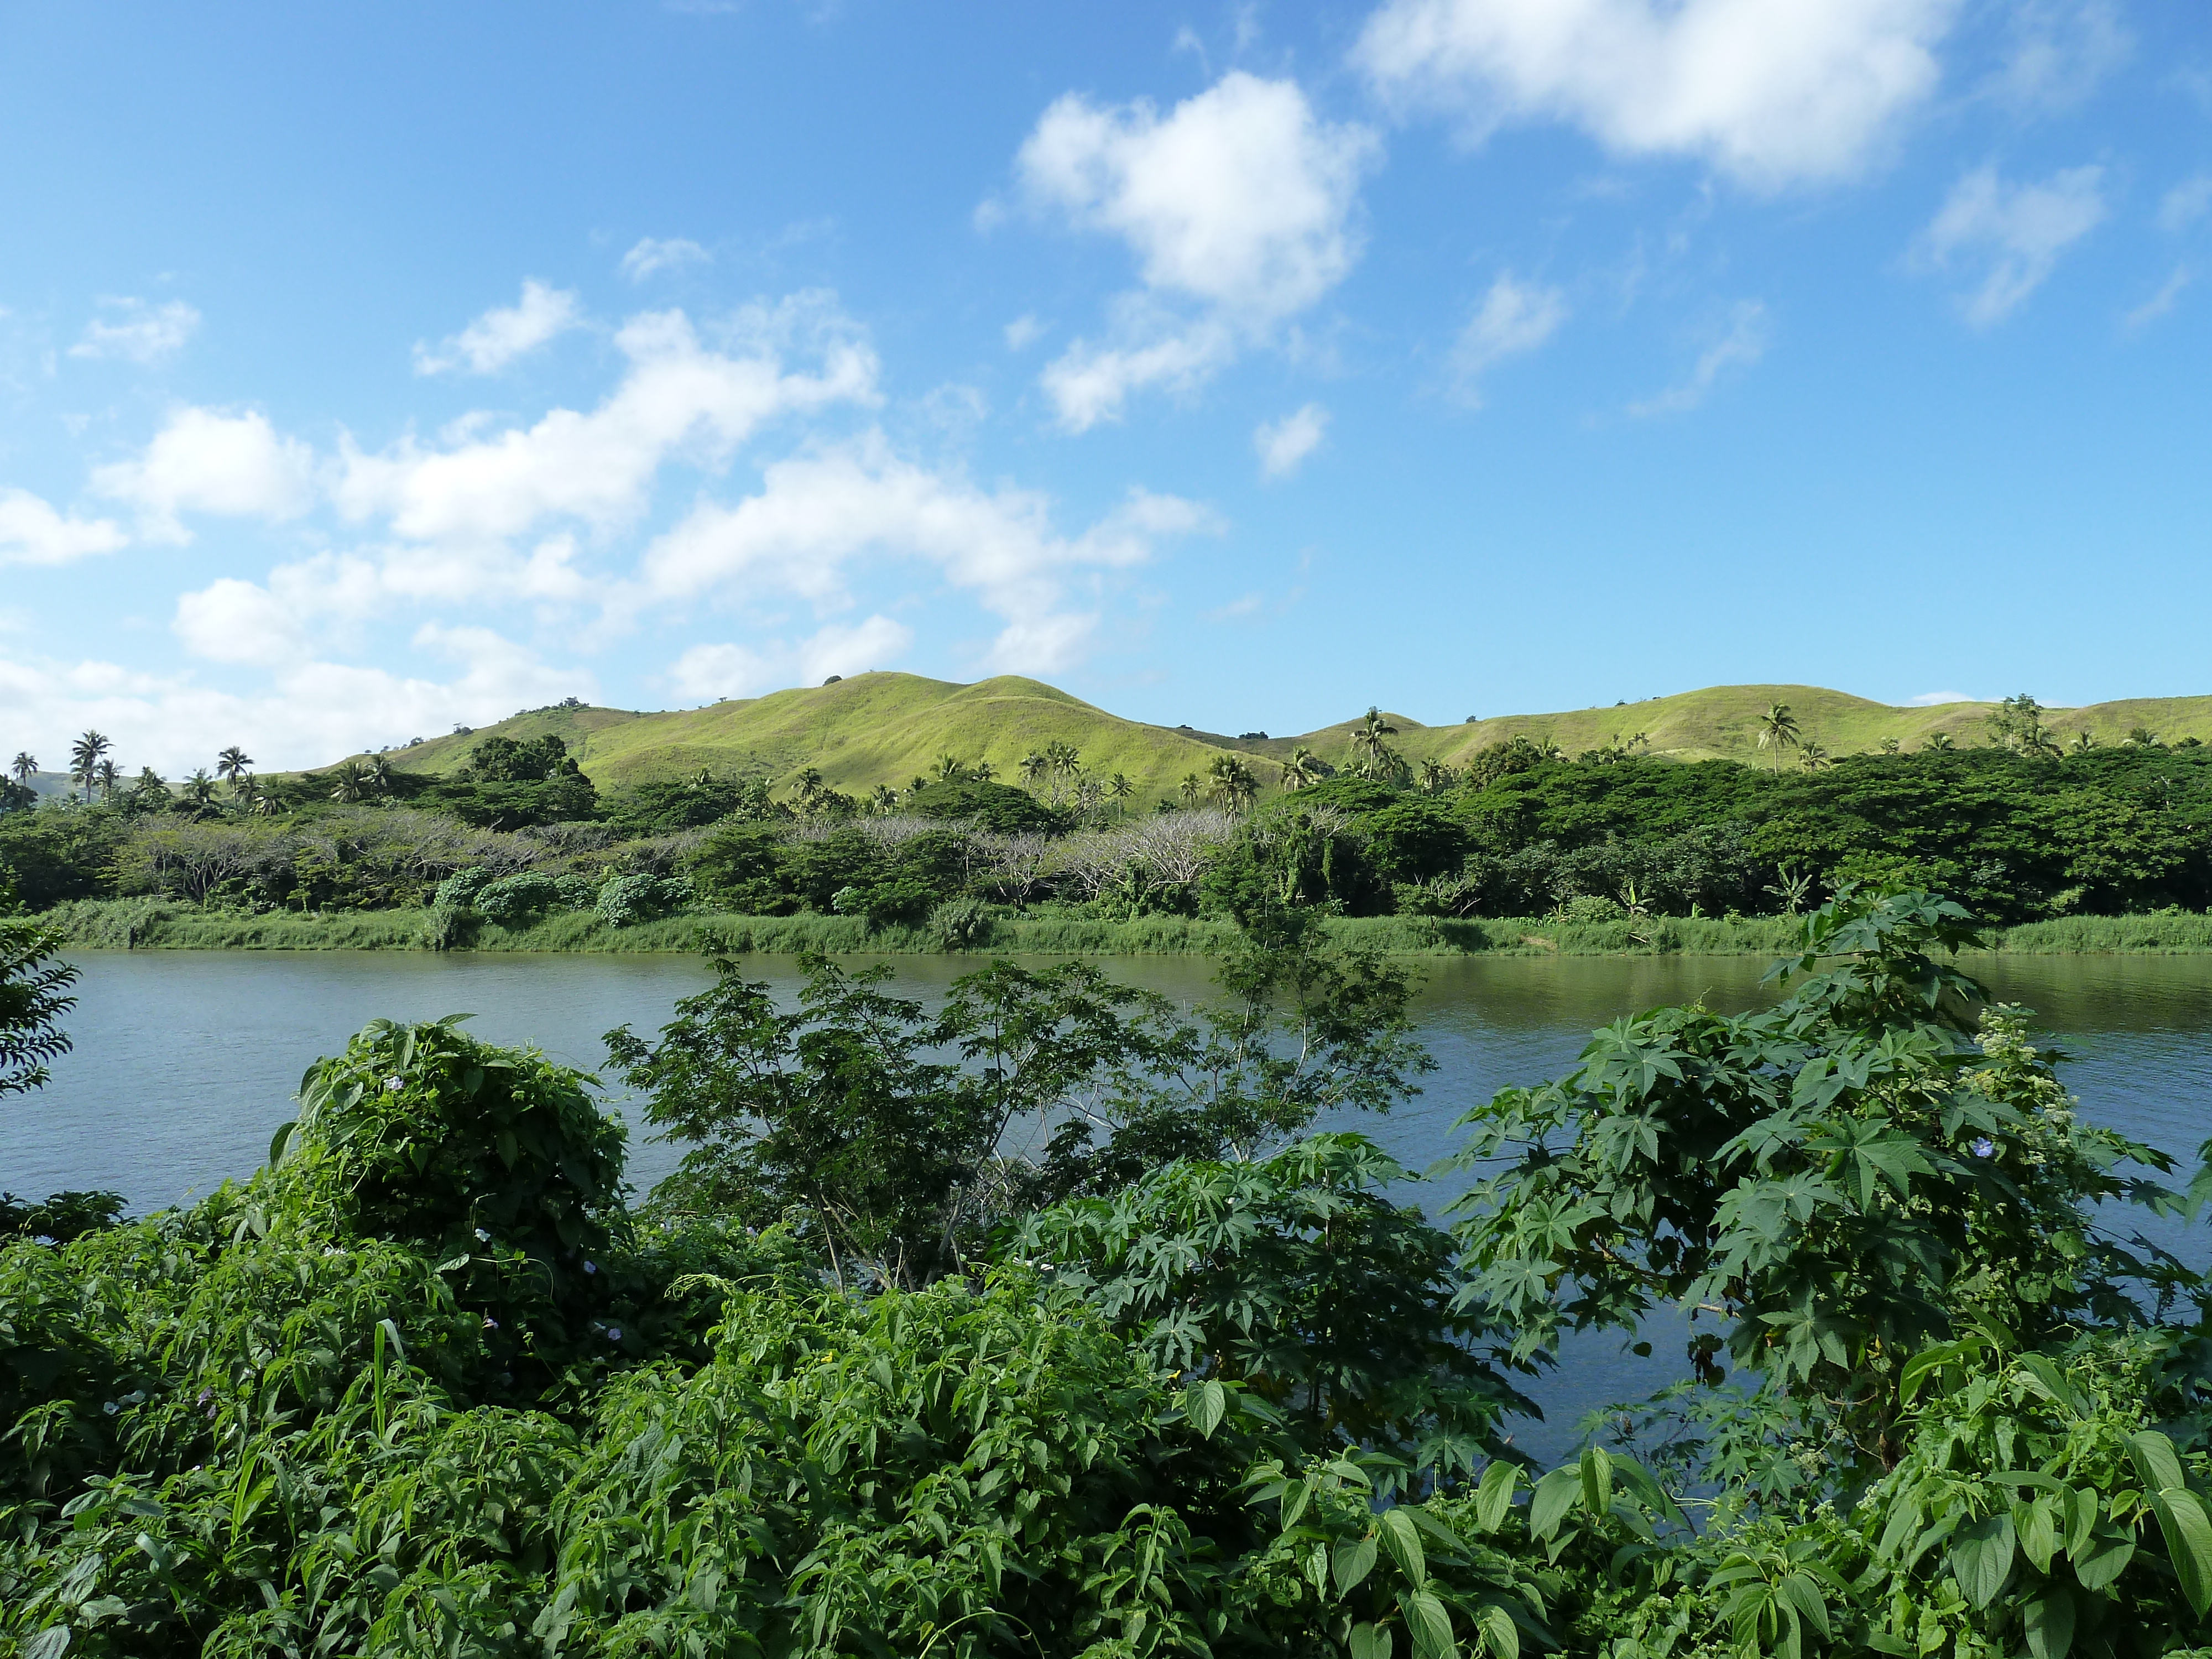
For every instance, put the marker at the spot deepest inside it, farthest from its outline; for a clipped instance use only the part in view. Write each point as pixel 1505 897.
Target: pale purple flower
pixel 1985 1147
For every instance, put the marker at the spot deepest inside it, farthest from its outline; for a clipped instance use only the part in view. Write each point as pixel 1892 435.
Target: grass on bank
pixel 156 924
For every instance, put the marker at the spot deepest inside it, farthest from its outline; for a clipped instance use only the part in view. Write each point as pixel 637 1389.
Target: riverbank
pixel 157 925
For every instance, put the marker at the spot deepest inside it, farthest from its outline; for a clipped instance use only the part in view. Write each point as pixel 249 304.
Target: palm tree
pixel 199 788
pixel 345 783
pixel 249 794
pixel 1889 746
pixel 85 756
pixel 1119 788
pixel 1435 779
pixel 1378 759
pixel 2084 741
pixel 1066 761
pixel 1778 728
pixel 949 769
pixel 108 774
pixel 2141 737
pixel 1940 742
pixel 1033 767
pixel 1231 782
pixel 1190 788
pixel 883 800
pixel 1303 767
pixel 378 774
pixel 150 786
pixel 234 765
pixel 1814 757
pixel 25 766
pixel 983 772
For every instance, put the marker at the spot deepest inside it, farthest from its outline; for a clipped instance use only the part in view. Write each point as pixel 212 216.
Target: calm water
pixel 186 1061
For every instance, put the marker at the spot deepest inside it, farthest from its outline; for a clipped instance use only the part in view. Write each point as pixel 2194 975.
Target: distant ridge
pixel 887 728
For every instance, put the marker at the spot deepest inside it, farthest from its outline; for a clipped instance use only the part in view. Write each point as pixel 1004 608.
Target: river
pixel 186 1061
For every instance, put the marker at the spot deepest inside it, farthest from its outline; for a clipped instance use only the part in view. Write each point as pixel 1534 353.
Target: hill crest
pixel 888 728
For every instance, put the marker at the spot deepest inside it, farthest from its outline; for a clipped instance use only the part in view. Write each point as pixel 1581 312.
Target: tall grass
pixel 158 924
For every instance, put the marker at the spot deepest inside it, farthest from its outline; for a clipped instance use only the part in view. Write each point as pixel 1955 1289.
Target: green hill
pixel 887 727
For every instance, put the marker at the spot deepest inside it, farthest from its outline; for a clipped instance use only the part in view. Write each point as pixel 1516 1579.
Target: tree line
pixel 2020 827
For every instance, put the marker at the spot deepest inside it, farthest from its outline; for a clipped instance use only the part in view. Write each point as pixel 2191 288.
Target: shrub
pixel 628 900
pixel 458 890
pixel 518 898
pixel 961 924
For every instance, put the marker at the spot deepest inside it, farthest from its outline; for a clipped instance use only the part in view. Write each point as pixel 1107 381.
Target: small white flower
pixel 490 1324
pixel 111 1409
pixel 392 1086
pixel 483 1237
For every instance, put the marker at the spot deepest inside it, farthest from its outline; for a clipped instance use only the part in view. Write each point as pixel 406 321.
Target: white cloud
pixel 1088 382
pixel 505 332
pixel 737 670
pixel 204 460
pixel 1514 317
pixel 1769 92
pixel 2162 301
pixel 1932 699
pixel 309 713
pixel 1023 332
pixel 1283 445
pixel 814 516
pixel 2186 203
pixel 2016 232
pixel 32 532
pixel 1744 344
pixel 677 396
pixel 655 253
pixel 137 331
pixel 2059 52
pixel 1240 199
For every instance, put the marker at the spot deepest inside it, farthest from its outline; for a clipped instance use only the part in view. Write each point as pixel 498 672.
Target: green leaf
pixel 2039 1531
pixel 1494 1498
pixel 1370 1642
pixel 1981 1558
pixel 1353 1562
pixel 2104 1556
pixel 2049 1623
pixel 1555 1496
pixel 1801 1593
pixel 1429 1625
pixel 2080 1520
pixel 1402 1539
pixel 1208 1405
pixel 1500 1634
pixel 276 1156
pixel 2051 1381
pixel 2156 1460
pixel 1597 1480
pixel 2188 1532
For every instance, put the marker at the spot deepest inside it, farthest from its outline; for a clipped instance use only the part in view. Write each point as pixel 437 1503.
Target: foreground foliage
pixel 863 1384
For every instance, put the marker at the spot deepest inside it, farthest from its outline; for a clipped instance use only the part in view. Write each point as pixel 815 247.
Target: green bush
pixel 517 898
pixel 458 890
pixel 628 900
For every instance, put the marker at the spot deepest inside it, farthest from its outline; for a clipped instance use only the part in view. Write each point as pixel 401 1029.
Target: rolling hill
pixel 888 727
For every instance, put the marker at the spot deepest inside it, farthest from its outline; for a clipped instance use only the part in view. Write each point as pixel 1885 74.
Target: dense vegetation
pixel 2018 828
pixel 1046 1322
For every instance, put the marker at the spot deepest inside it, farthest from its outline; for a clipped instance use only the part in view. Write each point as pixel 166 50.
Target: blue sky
pixel 364 371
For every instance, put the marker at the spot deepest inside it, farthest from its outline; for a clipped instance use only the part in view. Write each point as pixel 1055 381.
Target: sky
pixel 368 371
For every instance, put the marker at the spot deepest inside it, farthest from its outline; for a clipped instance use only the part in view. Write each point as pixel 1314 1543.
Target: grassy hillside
pixel 865 730
pixel 885 729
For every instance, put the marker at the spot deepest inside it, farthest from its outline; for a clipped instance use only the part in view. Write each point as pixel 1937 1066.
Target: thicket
pixel 1043 1321
pixel 2020 835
